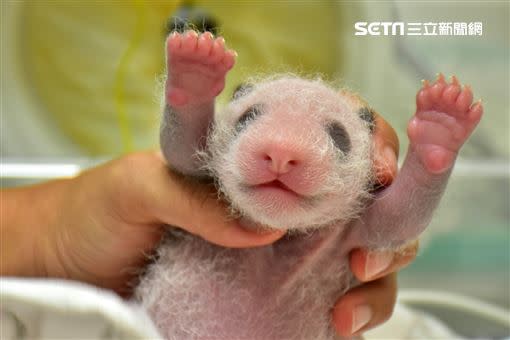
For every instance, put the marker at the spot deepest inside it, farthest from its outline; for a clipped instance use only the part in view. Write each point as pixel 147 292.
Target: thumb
pixel 196 208
pixel 385 151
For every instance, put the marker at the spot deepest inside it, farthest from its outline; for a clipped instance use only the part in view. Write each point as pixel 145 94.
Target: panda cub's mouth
pixel 276 188
pixel 275 184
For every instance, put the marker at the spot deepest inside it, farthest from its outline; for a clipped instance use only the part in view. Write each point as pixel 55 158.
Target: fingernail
pixel 389 155
pixel 390 159
pixel 360 317
pixel 377 262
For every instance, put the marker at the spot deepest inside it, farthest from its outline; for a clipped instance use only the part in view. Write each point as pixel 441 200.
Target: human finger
pixel 369 265
pixel 386 150
pixel 365 307
pixel 196 207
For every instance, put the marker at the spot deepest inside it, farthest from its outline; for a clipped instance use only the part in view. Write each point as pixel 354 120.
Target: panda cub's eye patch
pixel 249 115
pixel 340 137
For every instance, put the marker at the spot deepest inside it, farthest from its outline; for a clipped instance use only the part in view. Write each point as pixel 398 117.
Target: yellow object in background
pixel 72 55
pixel 95 67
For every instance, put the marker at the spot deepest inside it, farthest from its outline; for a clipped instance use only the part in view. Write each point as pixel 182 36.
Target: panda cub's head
pixel 291 153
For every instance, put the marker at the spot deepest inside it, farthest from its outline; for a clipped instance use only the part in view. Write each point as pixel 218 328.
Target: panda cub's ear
pixel 242 90
pixel 368 115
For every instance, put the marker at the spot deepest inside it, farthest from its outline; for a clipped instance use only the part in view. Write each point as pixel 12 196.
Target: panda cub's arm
pixel 444 119
pixel 196 70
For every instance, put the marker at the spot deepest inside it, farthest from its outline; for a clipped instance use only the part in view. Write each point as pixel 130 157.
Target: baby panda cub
pixel 294 154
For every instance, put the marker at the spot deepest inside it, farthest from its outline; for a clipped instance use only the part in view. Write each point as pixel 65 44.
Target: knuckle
pixel 409 250
pixel 130 166
pixel 387 314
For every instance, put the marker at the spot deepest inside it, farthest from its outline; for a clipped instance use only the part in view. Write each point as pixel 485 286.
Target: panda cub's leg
pixel 196 70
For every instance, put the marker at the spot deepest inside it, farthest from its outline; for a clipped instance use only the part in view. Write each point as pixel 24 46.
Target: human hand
pixel 102 224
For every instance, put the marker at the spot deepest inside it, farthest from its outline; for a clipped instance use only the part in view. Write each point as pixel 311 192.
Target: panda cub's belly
pixel 283 291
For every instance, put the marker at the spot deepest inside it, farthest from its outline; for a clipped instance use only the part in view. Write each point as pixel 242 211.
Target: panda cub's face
pixel 291 153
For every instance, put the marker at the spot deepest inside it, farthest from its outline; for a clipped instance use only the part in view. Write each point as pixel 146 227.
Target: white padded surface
pixel 57 309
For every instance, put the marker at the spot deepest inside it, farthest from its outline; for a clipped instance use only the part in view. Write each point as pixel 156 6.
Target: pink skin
pixel 278 164
pixel 445 117
pixel 278 169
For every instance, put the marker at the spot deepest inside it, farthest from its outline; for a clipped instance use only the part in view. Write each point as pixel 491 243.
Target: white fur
pixel 197 290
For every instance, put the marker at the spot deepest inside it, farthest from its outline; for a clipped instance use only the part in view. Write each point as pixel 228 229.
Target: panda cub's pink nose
pixel 281 161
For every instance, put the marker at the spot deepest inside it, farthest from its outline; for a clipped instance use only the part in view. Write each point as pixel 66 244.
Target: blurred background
pixel 81 83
